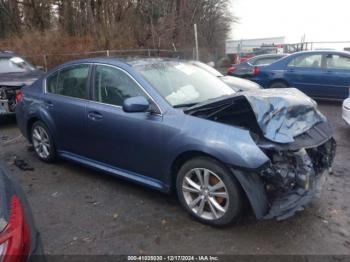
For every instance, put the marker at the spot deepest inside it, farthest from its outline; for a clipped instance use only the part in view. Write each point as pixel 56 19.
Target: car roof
pixel 129 61
pixel 268 55
pixel 323 52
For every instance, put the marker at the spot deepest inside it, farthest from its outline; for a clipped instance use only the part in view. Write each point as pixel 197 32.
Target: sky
pixel 321 20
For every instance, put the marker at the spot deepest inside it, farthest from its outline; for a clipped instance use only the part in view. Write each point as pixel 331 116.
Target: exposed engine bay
pixel 294 177
pixel 8 98
pixel 286 125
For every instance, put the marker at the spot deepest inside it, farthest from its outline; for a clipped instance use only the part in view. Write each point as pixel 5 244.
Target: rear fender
pixel 42 115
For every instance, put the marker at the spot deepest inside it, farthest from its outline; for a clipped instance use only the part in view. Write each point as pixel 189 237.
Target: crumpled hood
pixel 281 114
pixel 20 79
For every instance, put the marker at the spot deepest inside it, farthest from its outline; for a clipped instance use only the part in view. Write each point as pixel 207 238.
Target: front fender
pixel 254 189
pixel 231 145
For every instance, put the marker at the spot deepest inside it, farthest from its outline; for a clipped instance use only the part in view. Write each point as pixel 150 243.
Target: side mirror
pixel 40 68
pixel 136 104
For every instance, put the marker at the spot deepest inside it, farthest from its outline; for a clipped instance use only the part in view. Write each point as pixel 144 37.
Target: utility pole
pixel 196 40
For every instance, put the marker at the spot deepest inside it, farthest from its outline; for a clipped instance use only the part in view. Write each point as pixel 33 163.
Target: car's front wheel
pixel 209 192
pixel 42 142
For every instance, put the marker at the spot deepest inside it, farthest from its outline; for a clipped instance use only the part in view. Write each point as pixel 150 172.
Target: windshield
pixel 208 68
pixel 183 84
pixel 14 65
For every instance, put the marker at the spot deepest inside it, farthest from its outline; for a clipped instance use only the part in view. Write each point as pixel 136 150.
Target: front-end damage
pixel 296 137
pixel 293 178
pixel 8 98
pixel 10 87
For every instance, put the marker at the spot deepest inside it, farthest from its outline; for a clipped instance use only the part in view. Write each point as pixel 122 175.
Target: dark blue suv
pixel 319 74
pixel 171 125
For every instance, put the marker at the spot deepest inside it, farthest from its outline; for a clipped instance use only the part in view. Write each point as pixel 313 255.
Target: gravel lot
pixel 81 211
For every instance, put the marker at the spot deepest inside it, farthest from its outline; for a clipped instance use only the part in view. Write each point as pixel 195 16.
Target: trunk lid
pixel 19 79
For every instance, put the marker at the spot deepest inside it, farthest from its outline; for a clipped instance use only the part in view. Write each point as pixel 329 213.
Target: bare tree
pixel 124 23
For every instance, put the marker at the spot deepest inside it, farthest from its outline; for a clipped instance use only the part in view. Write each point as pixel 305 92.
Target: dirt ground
pixel 81 211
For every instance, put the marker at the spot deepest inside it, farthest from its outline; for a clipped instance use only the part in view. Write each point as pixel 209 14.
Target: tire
pixel 230 207
pixel 43 142
pixel 278 84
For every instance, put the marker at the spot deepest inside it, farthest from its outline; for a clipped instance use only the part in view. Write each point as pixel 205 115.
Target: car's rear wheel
pixel 209 192
pixel 43 142
pixel 278 84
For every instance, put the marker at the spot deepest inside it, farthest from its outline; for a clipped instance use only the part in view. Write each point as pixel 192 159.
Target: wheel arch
pixel 278 80
pixel 29 126
pixel 251 185
pixel 33 119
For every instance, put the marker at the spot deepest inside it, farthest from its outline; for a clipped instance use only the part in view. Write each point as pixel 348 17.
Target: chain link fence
pixel 48 61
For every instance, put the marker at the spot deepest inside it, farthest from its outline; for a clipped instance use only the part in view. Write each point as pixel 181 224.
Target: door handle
pixel 95 116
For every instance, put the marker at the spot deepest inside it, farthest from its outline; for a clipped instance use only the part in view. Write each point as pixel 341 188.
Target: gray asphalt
pixel 81 211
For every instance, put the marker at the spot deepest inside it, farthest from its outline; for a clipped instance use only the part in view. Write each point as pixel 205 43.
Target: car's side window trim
pixel 88 82
pixel 92 87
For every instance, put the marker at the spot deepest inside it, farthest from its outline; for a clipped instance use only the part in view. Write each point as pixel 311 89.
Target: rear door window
pixel 310 61
pixel 337 62
pixel 71 81
pixel 265 61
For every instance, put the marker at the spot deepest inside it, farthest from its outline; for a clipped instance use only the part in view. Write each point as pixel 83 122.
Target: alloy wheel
pixel 41 142
pixel 205 193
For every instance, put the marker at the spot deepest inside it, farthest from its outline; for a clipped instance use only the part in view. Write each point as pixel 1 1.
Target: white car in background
pixel 346 110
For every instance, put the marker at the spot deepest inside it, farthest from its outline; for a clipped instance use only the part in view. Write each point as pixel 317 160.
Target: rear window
pixel 266 61
pixel 71 81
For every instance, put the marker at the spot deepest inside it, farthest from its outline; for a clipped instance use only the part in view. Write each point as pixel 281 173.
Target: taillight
pixel 231 70
pixel 256 70
pixel 19 96
pixel 15 239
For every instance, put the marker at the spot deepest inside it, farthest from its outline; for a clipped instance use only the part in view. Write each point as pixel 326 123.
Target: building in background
pixel 240 50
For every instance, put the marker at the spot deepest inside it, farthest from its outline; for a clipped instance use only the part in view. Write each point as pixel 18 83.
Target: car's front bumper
pixel 288 204
pixel 288 182
pixel 346 111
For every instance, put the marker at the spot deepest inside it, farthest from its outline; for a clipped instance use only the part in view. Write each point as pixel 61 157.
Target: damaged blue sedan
pixel 172 126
